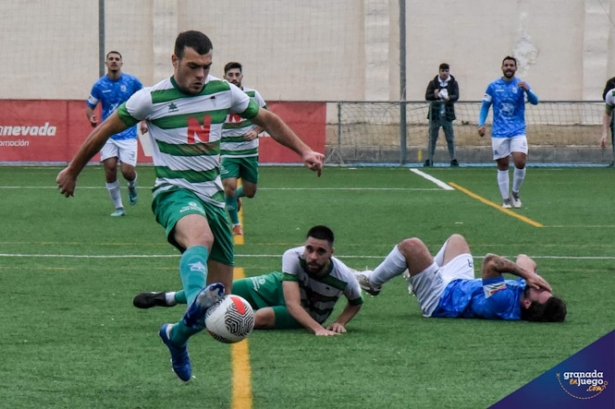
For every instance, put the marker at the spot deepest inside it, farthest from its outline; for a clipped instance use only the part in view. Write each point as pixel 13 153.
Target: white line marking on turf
pixel 260 188
pixel 108 256
pixel 438 182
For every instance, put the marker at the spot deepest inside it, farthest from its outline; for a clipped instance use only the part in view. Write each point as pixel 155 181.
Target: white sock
pixel 518 178
pixel 133 183
pixel 393 265
pixel 439 258
pixel 170 298
pixel 115 194
pixel 503 182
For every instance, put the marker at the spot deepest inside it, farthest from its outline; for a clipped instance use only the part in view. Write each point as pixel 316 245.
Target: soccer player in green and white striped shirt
pixel 302 295
pixel 185 114
pixel 239 150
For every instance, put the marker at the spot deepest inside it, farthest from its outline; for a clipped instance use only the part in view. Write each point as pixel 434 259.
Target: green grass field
pixel 68 272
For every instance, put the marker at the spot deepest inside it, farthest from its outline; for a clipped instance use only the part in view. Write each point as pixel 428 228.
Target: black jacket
pixel 453 93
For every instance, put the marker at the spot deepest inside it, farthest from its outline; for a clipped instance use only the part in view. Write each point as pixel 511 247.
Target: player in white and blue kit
pixel 445 286
pixel 111 91
pixel 508 96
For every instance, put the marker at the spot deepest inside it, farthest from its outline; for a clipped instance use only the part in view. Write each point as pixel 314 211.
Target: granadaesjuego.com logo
pixel 583 385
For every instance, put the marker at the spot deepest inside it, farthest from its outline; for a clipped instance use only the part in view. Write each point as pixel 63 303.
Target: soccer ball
pixel 230 320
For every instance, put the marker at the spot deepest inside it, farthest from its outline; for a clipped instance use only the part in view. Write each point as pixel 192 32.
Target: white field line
pixel 119 256
pixel 260 188
pixel 438 182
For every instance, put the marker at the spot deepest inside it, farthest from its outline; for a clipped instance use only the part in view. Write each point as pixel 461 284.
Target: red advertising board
pixel 307 119
pixel 48 131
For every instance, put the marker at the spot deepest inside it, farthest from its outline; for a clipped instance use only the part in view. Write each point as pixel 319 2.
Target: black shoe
pixel 427 163
pixel 454 163
pixel 149 300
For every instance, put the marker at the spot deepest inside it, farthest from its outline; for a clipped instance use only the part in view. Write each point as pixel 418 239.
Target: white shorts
pixel 502 147
pixel 429 284
pixel 125 150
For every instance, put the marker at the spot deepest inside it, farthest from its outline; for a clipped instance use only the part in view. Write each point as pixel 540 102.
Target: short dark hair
pixel 113 52
pixel 232 65
pixel 196 40
pixel 553 310
pixel 444 66
pixel 508 57
pixel 321 233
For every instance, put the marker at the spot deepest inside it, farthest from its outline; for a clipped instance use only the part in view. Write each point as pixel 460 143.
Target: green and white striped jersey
pixel 319 295
pixel 235 127
pixel 185 132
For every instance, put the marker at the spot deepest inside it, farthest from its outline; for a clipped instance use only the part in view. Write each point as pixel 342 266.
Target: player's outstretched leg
pixel 175 336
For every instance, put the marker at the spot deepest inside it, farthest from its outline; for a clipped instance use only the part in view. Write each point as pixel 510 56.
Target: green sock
pixel 239 192
pixel 180 297
pixel 180 334
pixel 193 271
pixel 231 207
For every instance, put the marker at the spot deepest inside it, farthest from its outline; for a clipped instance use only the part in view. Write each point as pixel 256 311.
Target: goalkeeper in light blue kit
pixel 508 95
pixel 445 286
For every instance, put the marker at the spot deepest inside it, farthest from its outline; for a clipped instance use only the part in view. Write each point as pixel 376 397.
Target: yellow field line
pixel 496 206
pixel 240 357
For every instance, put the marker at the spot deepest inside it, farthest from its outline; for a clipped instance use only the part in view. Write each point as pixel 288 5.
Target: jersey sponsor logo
pixel 491 289
pixel 192 206
pixel 28 130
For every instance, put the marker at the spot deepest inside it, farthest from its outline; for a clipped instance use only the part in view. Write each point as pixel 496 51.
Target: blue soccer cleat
pixel 195 314
pixel 180 360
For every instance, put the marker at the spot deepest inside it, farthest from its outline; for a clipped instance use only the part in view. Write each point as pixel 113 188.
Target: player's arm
pixel 531 97
pixel 484 110
pixel 91 103
pixel 292 298
pixel 67 179
pixel 339 325
pixel 494 266
pixel 606 123
pixel 430 94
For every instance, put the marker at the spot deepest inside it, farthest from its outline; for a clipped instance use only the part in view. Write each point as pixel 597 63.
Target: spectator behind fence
pixel 610 84
pixel 442 92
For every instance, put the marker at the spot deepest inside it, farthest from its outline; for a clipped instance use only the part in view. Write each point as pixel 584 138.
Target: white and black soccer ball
pixel 230 320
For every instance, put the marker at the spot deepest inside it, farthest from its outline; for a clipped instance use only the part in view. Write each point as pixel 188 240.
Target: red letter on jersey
pixel 196 132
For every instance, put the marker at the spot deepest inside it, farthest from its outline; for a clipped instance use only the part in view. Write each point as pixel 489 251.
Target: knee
pixel 264 318
pixel 250 193
pixel 410 246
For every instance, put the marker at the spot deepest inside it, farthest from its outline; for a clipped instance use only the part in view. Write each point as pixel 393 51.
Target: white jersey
pixel 319 295
pixel 235 127
pixel 610 98
pixel 185 132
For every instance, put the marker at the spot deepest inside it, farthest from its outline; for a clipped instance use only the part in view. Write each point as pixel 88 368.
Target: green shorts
pixel 240 168
pixel 171 205
pixel 266 291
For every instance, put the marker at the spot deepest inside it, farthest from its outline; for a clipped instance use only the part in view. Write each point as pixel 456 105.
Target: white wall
pixel 316 49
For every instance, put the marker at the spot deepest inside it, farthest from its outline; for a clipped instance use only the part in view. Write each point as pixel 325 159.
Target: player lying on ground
pixel 446 287
pixel 302 295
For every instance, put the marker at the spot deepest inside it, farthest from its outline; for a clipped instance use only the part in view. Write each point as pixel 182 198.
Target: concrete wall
pixel 316 49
